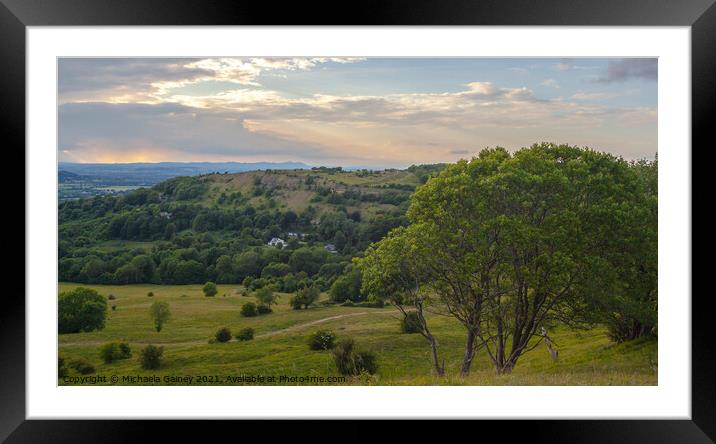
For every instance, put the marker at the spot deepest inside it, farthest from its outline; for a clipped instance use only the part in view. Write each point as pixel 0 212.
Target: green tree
pixel 630 308
pixel 519 241
pixel 81 310
pixel 394 269
pixel 160 314
pixel 305 297
pixel 265 296
pixel 210 289
pixel 224 270
pixel 307 259
pixel 347 286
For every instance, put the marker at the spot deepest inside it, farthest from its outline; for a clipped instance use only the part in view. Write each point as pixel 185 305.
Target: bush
pixel 210 289
pixel 245 334
pixel 111 297
pixel 114 351
pixel 81 309
pixel 410 323
pixel 263 309
pixel 249 310
pixel 223 335
pixel 365 304
pixel 151 357
pixel 366 362
pixel 61 369
pixel 114 308
pixel 150 294
pixel 83 367
pixel 322 340
pixel 350 362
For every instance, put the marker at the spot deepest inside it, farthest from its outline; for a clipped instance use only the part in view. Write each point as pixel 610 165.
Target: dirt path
pixel 263 335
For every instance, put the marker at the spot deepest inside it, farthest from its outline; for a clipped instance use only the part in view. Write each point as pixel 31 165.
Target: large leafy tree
pixel 520 241
pixel 630 311
pixel 81 309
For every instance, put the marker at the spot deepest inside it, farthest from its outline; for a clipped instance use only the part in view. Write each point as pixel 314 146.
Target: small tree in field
pixel 305 297
pixel 265 296
pixel 159 312
pixel 394 269
pixel 210 289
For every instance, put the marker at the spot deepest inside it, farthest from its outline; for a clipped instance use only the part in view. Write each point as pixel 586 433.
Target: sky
pixel 351 112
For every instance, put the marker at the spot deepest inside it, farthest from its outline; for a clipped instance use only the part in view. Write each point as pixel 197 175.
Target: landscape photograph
pixel 369 221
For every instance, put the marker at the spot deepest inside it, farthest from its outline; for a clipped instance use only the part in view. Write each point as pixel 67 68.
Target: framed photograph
pixel 229 216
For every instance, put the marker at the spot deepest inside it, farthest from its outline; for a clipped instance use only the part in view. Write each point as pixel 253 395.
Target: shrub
pixel 61 369
pixel 114 308
pixel 81 309
pixel 410 323
pixel 245 334
pixel 114 351
pixel 249 310
pixel 350 362
pixel 296 303
pixel 365 304
pixel 150 294
pixel 83 367
pixel 151 357
pixel 223 335
pixel 322 340
pixel 210 289
pixel 366 362
pixel 111 297
pixel 263 309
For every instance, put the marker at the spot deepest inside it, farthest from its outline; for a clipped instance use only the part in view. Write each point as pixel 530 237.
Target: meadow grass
pixel 279 347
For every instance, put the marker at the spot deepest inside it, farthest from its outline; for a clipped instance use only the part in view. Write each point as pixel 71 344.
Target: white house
pixel 276 241
pixel 331 248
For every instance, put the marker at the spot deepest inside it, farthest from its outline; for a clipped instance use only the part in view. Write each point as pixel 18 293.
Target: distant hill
pixel 216 226
pixel 66 176
pixel 148 174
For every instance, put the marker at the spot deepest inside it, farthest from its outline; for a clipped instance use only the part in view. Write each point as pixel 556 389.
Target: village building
pixel 276 241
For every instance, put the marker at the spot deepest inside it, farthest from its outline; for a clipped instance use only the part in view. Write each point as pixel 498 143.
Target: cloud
pixel 148 80
pixel 551 83
pixel 120 131
pixel 568 65
pixel 216 109
pixel 627 69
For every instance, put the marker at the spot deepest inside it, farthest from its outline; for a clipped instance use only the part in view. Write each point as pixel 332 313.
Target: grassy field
pixel 279 348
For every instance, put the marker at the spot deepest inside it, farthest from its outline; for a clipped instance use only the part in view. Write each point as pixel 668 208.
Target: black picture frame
pixel 16 15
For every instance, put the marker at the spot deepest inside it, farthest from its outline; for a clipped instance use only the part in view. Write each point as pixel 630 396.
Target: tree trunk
pixel 469 353
pixel 440 369
pixel 505 368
